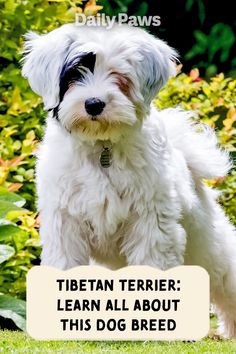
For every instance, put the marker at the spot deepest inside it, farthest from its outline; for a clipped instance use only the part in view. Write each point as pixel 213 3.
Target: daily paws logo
pixel 102 20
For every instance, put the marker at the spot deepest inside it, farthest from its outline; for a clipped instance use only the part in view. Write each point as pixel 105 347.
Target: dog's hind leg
pixel 211 243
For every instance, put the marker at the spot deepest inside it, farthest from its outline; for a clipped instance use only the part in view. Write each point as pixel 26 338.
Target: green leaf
pixel 201 11
pixel 142 9
pixel 11 197
pixel 13 309
pixel 6 252
pixel 201 38
pixel 189 4
pixel 8 231
pixel 6 207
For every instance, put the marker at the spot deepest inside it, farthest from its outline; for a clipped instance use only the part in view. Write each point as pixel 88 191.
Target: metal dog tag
pixel 105 158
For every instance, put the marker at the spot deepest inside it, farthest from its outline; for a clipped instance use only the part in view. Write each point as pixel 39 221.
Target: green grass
pixel 19 342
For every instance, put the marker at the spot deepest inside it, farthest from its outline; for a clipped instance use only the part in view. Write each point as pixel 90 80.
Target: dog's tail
pixel 198 144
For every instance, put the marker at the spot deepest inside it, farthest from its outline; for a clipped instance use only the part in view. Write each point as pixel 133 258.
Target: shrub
pixel 19 243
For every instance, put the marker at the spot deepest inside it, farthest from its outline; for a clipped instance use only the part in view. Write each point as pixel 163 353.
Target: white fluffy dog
pixel 118 180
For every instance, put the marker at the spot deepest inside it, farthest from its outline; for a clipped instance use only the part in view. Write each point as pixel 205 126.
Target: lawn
pixel 19 342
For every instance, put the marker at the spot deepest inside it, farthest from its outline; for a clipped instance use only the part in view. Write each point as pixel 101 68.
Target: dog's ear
pixel 156 63
pixel 43 61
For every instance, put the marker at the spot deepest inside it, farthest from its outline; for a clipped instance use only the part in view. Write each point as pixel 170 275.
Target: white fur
pixel 151 206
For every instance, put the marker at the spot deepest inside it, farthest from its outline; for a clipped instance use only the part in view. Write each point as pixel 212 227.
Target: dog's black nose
pixel 94 106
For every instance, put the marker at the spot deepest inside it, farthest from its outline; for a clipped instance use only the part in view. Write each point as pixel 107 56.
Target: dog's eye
pixel 87 61
pixel 68 79
pixel 122 81
pixel 75 70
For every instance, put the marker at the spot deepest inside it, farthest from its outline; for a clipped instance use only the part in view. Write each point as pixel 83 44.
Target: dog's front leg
pixel 156 240
pixel 64 244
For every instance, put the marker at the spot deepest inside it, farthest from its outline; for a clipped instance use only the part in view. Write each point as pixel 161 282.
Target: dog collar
pixel 106 155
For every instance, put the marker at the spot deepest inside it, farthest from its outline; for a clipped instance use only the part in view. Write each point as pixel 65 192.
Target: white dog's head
pixel 97 82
